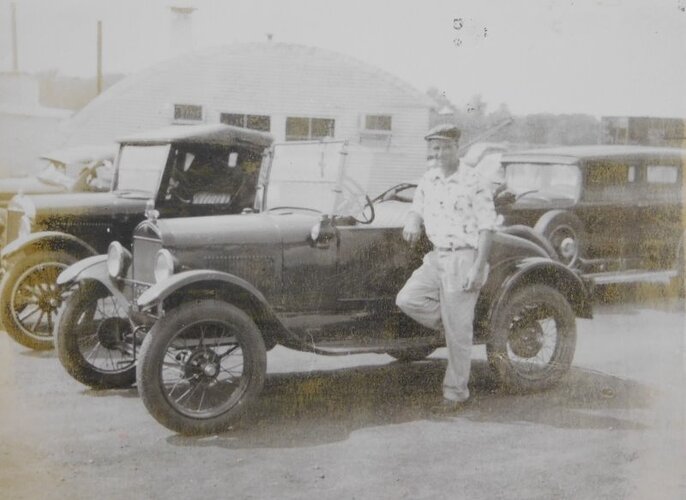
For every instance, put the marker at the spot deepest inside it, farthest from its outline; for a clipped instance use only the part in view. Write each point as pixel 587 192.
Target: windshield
pixel 554 180
pixel 304 176
pixel 140 167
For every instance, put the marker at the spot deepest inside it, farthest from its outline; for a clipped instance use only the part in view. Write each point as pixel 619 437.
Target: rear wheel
pixel 533 339
pixel 95 340
pixel 30 298
pixel 200 366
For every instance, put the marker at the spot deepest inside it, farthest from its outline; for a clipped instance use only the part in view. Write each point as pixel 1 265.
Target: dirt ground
pixel 359 427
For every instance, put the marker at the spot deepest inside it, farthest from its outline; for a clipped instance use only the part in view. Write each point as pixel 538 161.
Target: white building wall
pixel 277 80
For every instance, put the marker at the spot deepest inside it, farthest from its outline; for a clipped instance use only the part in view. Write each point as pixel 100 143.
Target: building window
pixel 255 122
pixel 661 174
pixel 302 128
pixel 377 123
pixel 187 112
pixel 375 130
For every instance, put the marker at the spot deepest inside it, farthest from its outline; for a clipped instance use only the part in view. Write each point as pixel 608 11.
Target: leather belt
pixel 452 249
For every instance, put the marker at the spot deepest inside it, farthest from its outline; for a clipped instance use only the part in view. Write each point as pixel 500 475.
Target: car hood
pixel 230 230
pixel 27 185
pixel 93 204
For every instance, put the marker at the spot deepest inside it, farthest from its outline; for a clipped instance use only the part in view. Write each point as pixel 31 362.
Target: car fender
pixel 92 268
pixel 47 240
pixel 160 291
pixel 509 275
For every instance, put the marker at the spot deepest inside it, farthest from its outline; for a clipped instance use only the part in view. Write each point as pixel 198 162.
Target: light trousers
pixel 434 296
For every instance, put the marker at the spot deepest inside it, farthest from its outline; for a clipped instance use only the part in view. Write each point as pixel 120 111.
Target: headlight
pixel 118 260
pixel 24 226
pixel 164 265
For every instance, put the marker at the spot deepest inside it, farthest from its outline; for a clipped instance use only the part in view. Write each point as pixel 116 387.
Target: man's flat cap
pixel 446 131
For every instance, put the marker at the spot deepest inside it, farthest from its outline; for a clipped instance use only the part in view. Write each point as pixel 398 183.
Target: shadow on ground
pixel 309 409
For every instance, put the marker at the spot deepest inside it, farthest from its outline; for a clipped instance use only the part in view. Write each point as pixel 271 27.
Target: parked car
pixel 316 269
pixel 81 168
pixel 613 212
pixel 184 170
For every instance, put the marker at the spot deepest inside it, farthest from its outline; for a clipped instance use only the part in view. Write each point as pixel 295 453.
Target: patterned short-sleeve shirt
pixel 454 208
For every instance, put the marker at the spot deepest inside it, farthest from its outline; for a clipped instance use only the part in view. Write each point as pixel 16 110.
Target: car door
pixel 608 211
pixel 659 220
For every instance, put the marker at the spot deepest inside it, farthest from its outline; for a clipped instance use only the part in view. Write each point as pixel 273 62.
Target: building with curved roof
pixel 295 92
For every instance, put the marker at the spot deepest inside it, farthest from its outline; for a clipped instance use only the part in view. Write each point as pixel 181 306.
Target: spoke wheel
pixel 533 340
pixel 31 298
pixel 96 343
pixel 200 365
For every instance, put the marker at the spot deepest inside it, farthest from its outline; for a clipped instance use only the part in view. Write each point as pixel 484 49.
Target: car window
pixel 610 174
pixel 661 174
pixel 304 176
pixel 555 180
pixel 213 176
pixel 140 167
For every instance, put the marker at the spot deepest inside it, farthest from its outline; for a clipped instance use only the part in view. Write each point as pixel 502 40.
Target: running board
pixel 343 347
pixel 633 276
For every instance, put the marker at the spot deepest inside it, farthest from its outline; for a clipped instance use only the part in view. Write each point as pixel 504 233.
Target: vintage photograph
pixel 342 250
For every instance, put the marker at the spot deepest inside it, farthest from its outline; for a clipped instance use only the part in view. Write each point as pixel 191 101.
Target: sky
pixel 601 57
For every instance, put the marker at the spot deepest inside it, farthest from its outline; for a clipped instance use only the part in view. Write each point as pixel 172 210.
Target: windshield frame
pixel 533 188
pixel 266 183
pixel 117 169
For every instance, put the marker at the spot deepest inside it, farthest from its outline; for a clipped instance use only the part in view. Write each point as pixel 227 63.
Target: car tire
pixel 177 343
pixel 566 234
pixel 409 355
pixel 94 339
pixel 519 339
pixel 28 312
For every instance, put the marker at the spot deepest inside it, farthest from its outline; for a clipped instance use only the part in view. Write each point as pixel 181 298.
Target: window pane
pixel 232 119
pixel 258 122
pixel 322 127
pixel 140 167
pixel 553 180
pixel 377 122
pixel 187 112
pixel 609 174
pixel 297 129
pixel 661 174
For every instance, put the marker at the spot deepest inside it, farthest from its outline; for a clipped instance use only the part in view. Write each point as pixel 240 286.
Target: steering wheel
pixel 356 202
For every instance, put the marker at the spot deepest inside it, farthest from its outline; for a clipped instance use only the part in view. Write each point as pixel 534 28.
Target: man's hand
pixel 413 228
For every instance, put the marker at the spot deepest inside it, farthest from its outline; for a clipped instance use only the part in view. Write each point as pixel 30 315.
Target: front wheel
pixel 30 297
pixel 95 340
pixel 533 339
pixel 200 365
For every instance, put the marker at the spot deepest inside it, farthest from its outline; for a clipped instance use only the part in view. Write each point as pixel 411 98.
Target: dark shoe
pixel 449 407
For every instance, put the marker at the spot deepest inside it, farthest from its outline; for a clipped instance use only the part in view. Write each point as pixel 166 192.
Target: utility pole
pixel 99 70
pixel 15 53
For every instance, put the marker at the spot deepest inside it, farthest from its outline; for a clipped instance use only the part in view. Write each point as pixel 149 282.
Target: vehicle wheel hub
pixel 567 248
pixel 203 364
pixel 526 340
pixel 111 332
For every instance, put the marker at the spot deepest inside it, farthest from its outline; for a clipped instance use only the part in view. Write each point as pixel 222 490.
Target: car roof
pixel 215 134
pixel 574 154
pixel 82 154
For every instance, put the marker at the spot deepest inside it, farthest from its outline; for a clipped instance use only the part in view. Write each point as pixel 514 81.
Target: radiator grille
pixel 144 251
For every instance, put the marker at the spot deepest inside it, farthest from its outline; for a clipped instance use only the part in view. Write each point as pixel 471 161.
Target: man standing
pixel 457 211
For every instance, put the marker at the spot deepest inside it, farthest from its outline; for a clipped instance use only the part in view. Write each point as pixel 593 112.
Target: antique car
pixel 613 212
pixel 185 170
pixel 317 269
pixel 80 168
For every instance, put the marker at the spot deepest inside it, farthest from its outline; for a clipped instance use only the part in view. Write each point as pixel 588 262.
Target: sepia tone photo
pixel 342 250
